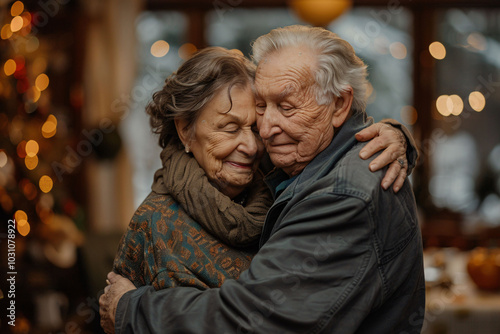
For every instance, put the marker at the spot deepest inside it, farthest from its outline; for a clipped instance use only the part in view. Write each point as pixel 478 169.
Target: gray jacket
pixel 338 255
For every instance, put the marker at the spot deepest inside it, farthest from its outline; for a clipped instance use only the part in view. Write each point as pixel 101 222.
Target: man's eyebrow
pixel 287 91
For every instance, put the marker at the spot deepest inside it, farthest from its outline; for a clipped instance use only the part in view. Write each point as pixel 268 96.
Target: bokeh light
pixel 29 189
pixel 409 115
pixel 442 105
pixel 3 158
pixel 42 82
pixel 437 50
pixel 6 33
pixel 20 215
pixel 23 229
pixel 39 65
pixel 21 149
pixel 31 162
pixel 9 67
pixel 477 101
pixel 160 48
pixel 186 51
pixel 49 128
pixel 477 41
pixel 16 24
pixel 31 148
pixel 398 50
pixel 17 8
pixel 46 184
pixel 457 104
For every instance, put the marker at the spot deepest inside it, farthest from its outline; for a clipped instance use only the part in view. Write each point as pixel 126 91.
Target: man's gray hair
pixel 337 68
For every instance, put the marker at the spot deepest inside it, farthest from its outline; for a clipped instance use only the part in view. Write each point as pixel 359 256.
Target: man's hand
pixel 384 136
pixel 108 302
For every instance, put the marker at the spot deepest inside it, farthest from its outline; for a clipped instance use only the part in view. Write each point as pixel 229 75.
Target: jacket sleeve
pixel 317 266
pixel 411 148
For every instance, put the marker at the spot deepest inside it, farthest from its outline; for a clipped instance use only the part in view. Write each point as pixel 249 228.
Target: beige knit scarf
pixel 235 224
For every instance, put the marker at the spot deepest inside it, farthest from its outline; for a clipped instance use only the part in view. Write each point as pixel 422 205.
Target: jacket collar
pixel 341 143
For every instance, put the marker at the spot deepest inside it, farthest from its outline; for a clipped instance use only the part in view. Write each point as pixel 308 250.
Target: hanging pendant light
pixel 320 12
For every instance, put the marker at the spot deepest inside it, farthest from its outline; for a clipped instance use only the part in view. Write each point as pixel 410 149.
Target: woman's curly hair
pixel 187 91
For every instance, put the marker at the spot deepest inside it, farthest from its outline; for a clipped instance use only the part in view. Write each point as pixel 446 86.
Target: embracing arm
pixel 310 273
pixel 400 150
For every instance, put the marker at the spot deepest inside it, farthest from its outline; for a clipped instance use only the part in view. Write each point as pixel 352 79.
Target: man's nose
pixel 269 123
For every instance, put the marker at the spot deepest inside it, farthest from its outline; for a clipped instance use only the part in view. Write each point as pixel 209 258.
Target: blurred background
pixel 77 155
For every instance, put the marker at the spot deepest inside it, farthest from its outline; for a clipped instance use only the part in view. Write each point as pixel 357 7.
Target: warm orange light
pixel 442 105
pixel 31 162
pixel 42 82
pixel 26 19
pixel 6 202
pixel 477 41
pixel 6 33
pixel 16 23
pixel 45 184
pixel 398 50
pixel 409 115
pixel 477 101
pixel 20 215
pixel 3 158
pixel 39 65
pixel 160 48
pixel 21 149
pixel 17 8
pixel 31 148
pixel 457 104
pixel 186 50
pixel 437 50
pixel 9 67
pixel 320 12
pixel 49 128
pixel 23 229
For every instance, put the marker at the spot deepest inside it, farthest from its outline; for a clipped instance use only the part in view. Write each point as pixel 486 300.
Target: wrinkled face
pixel 226 144
pixel 292 125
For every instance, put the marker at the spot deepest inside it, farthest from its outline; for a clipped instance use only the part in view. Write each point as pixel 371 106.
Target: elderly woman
pixel 201 223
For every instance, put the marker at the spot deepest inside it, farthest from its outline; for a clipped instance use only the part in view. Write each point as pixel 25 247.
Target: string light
pixel 9 67
pixel 23 227
pixel 442 105
pixel 16 23
pixel 477 101
pixel 49 128
pixel 31 148
pixel 21 149
pixel 20 215
pixel 160 48
pixel 17 8
pixel 3 158
pixel 457 105
pixel 6 33
pixel 45 184
pixel 437 50
pixel 31 162
pixel 409 115
pixel 398 50
pixel 42 82
pixel 477 41
pixel 186 51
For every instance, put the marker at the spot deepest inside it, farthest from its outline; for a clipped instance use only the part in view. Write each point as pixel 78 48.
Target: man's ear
pixel 343 105
pixel 181 126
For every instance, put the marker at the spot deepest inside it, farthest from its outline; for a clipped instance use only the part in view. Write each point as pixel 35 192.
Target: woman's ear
pixel 343 105
pixel 181 126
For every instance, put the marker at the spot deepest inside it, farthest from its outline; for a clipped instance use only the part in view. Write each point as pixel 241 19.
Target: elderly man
pixel 338 253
